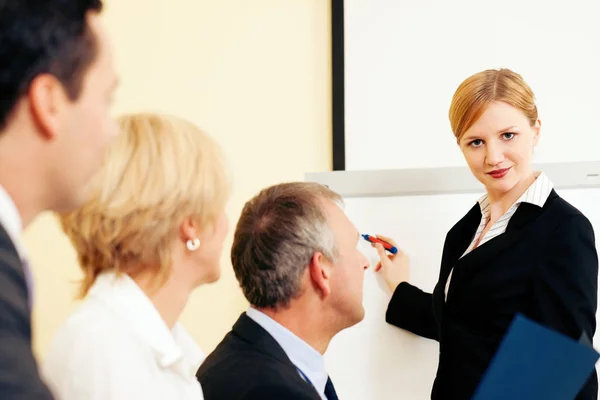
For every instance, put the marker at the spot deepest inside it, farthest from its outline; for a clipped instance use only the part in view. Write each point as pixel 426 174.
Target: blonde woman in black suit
pixel 521 248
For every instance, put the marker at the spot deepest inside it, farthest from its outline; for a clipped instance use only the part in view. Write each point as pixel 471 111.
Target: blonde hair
pixel 160 170
pixel 476 93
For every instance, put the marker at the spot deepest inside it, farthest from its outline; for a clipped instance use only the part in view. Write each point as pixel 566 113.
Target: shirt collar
pixel 537 193
pixel 300 353
pixel 173 348
pixel 11 221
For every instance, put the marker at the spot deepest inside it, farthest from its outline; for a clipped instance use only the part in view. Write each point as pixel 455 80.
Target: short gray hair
pixel 278 232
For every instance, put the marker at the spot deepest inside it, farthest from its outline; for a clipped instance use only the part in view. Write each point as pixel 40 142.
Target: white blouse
pixel 116 346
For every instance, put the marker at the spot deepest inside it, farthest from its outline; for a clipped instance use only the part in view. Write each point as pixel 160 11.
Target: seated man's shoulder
pixel 277 391
pixel 249 374
pixel 249 362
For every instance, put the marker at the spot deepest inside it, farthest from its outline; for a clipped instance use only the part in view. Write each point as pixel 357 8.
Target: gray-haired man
pixel 295 256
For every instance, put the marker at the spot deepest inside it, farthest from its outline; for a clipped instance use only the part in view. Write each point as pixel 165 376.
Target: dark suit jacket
pixel 19 378
pixel 250 365
pixel 545 266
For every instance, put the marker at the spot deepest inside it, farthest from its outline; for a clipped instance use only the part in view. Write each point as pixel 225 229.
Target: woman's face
pixel 498 148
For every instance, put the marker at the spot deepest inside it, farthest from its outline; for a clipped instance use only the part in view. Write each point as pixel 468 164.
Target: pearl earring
pixel 193 244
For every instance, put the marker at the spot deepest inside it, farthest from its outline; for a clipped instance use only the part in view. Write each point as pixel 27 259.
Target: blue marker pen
pixel 386 245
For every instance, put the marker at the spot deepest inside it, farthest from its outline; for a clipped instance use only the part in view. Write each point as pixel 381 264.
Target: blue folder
pixel 534 362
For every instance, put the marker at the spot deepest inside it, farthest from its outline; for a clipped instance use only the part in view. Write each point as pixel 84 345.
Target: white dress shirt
pixel 536 194
pixel 301 354
pixel 116 346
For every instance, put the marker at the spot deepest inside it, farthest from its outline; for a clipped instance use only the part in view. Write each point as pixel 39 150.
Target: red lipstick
pixel 499 173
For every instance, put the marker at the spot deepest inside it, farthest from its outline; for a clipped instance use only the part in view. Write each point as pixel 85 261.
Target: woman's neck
pixel 501 202
pixel 169 299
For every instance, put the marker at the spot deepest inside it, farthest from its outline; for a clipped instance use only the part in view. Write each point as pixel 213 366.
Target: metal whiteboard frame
pixel 450 180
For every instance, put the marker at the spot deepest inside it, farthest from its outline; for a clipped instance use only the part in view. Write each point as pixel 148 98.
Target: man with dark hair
pixel 295 256
pixel 56 82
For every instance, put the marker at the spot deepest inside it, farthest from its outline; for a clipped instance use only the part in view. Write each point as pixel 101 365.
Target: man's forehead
pixel 336 211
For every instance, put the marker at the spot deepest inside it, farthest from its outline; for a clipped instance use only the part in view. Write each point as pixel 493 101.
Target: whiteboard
pixel 374 360
pixel 403 60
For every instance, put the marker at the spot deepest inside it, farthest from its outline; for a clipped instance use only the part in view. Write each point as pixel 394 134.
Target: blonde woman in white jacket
pixel 152 232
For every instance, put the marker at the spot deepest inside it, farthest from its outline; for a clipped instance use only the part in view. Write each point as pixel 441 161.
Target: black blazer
pixel 545 266
pixel 19 377
pixel 250 365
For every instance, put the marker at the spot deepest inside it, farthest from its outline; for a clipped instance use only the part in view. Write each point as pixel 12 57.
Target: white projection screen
pixel 396 64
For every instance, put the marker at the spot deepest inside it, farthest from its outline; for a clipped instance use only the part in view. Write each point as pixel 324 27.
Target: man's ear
pixel 320 270
pixel 48 102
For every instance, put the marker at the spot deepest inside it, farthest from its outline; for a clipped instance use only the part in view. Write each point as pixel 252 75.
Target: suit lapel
pixel 14 289
pixel 459 238
pixel 479 258
pixel 10 255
